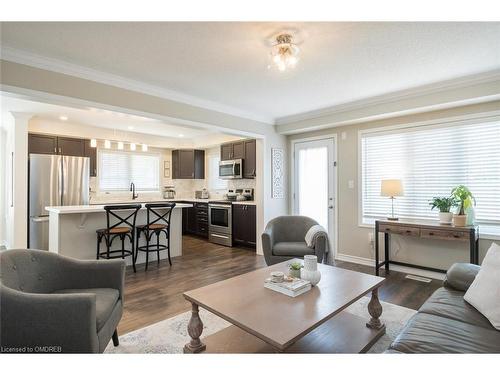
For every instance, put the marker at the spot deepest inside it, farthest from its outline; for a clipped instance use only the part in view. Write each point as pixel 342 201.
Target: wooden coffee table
pixel 265 321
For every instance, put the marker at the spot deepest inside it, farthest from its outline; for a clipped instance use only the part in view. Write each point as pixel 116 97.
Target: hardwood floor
pixel 156 295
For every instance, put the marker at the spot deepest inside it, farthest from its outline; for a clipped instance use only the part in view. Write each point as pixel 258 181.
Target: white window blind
pixel 118 169
pixel 214 182
pixel 431 161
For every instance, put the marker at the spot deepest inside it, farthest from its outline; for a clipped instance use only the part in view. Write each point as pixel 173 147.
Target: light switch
pixel 343 135
pixel 351 184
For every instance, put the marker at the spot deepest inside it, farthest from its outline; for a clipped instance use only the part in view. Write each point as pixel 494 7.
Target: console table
pixel 423 229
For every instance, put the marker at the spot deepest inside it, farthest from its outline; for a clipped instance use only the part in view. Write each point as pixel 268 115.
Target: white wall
pixel 15 179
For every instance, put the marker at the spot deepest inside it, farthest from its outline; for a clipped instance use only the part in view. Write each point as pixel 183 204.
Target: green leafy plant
pixel 464 197
pixel 295 266
pixel 443 204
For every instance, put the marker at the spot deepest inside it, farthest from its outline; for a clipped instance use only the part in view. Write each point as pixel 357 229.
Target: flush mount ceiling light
pixel 284 54
pixel 63 118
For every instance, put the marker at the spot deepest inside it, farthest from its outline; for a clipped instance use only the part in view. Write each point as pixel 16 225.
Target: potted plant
pixel 444 205
pixel 465 201
pixel 294 269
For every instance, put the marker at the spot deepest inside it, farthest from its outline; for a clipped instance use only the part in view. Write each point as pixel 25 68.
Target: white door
pixel 314 182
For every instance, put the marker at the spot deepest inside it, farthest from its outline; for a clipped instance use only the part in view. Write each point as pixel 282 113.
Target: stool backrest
pixel 124 214
pixel 155 217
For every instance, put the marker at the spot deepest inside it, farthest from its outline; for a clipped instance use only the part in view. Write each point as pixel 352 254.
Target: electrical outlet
pixel 350 184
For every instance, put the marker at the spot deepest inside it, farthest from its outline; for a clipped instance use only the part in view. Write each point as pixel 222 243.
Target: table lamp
pixel 391 188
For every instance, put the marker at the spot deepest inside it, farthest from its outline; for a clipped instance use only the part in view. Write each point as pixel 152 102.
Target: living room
pixel 207 182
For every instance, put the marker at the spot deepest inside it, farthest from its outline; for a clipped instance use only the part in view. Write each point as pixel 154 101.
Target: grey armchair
pixel 58 303
pixel 283 239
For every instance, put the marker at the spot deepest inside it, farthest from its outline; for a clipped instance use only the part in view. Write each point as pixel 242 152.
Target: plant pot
pixel 460 220
pixel 294 273
pixel 445 217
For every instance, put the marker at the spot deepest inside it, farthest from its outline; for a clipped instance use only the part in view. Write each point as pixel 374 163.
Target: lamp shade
pixel 391 188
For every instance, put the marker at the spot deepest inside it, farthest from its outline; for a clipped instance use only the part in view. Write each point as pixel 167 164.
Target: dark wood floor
pixel 156 295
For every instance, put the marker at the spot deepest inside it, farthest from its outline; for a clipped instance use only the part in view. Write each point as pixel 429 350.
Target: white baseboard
pixel 404 269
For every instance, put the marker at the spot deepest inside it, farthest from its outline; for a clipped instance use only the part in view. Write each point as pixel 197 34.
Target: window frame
pixel 100 150
pixel 486 231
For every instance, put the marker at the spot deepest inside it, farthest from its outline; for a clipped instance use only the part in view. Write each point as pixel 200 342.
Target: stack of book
pixel 290 288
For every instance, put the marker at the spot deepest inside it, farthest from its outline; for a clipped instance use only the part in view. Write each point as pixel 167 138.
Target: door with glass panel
pixel 314 185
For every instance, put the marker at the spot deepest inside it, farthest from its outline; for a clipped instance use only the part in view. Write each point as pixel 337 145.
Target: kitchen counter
pixel 100 207
pixel 72 231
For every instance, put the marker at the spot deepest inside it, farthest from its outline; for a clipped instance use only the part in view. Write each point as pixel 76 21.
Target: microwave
pixel 231 169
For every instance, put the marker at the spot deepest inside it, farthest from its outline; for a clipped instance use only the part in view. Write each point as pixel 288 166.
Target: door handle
pixel 330 207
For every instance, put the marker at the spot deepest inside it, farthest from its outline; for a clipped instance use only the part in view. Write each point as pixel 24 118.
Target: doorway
pixel 314 183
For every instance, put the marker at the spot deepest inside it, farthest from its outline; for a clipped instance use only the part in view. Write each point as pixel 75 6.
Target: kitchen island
pixel 72 231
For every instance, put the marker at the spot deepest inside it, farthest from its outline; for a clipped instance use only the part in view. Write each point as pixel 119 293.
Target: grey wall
pixel 353 239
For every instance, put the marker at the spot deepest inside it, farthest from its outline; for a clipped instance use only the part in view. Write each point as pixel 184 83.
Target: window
pixel 431 160
pixel 214 182
pixel 118 169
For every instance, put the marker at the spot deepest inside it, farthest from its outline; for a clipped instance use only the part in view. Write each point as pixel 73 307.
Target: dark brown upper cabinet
pixel 239 150
pixel 71 146
pixel 54 145
pixel 226 151
pixel 91 152
pixel 188 164
pixel 233 150
pixel 42 144
pixel 250 159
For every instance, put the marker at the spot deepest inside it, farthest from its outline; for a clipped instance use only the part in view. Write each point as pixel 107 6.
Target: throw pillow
pixel 484 292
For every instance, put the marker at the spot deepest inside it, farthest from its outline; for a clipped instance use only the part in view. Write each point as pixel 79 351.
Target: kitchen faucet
pixel 132 189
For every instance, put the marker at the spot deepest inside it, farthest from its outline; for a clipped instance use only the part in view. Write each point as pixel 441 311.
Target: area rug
pixel 169 336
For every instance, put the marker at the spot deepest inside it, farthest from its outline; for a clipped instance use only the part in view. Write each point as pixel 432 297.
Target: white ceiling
pixel 226 63
pixel 168 135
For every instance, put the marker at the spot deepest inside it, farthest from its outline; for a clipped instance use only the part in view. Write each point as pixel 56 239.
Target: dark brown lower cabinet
pixel 244 225
pixel 195 219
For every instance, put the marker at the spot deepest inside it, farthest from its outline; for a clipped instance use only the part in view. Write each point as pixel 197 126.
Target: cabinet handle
pixel 431 234
pixel 408 231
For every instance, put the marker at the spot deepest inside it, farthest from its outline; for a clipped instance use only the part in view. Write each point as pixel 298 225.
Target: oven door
pixel 219 218
pixel 231 169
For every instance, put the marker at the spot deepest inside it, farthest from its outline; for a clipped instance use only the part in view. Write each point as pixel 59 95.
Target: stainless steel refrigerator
pixel 54 180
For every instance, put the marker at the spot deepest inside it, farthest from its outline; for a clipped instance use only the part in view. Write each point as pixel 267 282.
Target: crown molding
pixel 396 96
pixel 60 66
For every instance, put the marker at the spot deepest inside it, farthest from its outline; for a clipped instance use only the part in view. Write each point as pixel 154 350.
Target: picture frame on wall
pixel 277 170
pixel 166 169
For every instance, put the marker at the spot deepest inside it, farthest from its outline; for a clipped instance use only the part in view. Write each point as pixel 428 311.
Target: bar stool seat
pixel 152 226
pixel 124 217
pixel 117 230
pixel 158 222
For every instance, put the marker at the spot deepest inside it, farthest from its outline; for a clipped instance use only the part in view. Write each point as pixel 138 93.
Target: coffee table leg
pixel 195 328
pixel 375 310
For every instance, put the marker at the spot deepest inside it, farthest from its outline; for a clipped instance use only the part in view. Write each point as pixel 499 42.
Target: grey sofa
pixel 446 323
pixel 52 303
pixel 283 239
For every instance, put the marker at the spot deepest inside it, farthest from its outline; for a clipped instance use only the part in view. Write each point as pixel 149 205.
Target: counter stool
pixel 157 223
pixel 125 216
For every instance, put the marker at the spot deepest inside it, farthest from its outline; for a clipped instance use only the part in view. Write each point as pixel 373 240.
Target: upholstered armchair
pixel 284 239
pixel 58 303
